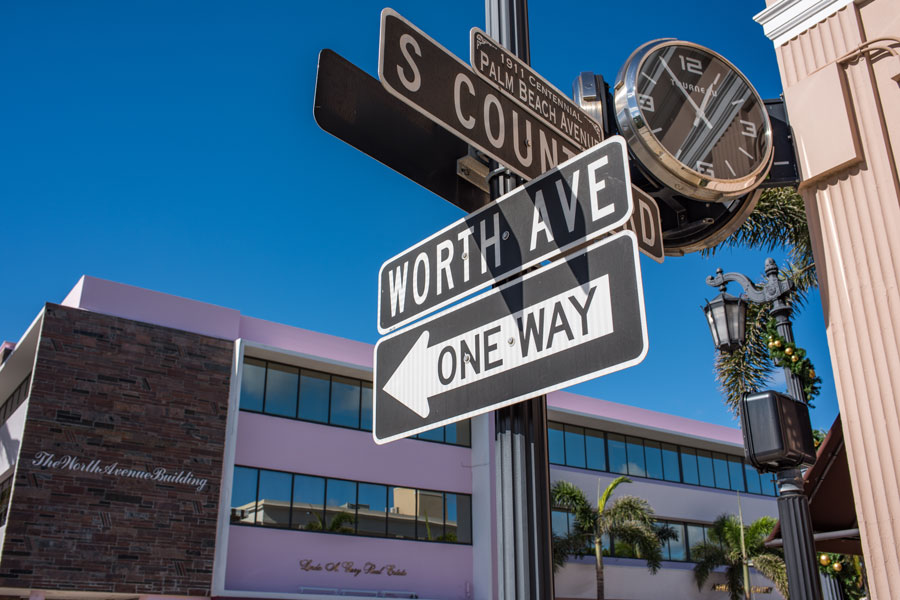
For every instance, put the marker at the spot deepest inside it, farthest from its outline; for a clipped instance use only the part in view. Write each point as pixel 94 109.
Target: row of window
pixel 310 503
pixel 588 448
pixel 687 535
pixel 286 391
pixel 15 400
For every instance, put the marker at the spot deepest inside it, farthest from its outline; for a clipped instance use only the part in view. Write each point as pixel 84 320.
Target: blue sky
pixel 171 145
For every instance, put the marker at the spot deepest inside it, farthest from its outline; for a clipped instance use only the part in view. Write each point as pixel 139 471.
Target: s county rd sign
pixel 424 75
pixel 564 323
pixel 646 225
pixel 565 207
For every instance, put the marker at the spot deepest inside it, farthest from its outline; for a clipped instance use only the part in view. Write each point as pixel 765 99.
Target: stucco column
pixel 838 66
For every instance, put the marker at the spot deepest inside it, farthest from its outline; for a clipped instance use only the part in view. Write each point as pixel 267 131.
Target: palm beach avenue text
pixel 516 79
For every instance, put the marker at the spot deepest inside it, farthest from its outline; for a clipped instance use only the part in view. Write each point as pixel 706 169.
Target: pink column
pixel 844 106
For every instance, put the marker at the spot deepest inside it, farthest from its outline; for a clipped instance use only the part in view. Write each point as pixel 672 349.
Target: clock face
pixel 702 112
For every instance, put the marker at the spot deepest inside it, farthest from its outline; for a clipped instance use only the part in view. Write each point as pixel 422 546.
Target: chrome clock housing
pixel 703 139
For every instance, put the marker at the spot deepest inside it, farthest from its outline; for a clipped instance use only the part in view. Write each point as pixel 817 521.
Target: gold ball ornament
pixel 795 358
pixel 788 350
pixel 837 567
pixel 824 560
pixel 771 344
pixel 812 373
pixel 777 343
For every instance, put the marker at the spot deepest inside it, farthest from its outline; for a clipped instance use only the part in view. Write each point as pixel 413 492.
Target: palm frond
pixel 717 531
pixel 567 496
pixel 772 567
pixel 651 551
pixel 559 553
pixel 603 498
pixel 777 222
pixel 747 369
pixel 629 508
pixel 732 538
pixel 708 556
pixel 642 537
pixel 664 532
pixel 759 530
pixel 562 547
pixel 734 577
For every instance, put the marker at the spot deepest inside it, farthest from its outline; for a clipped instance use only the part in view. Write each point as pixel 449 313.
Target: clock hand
pixel 685 92
pixel 706 98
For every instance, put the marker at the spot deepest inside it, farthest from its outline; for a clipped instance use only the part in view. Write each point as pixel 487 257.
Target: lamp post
pixel 726 315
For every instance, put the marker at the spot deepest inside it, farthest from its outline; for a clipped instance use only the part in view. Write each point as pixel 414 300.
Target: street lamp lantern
pixel 727 317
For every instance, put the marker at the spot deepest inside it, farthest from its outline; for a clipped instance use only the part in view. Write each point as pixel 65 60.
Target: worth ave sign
pixel 569 205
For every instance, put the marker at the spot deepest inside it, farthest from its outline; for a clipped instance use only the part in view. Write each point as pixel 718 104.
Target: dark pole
pixel 793 505
pixel 520 445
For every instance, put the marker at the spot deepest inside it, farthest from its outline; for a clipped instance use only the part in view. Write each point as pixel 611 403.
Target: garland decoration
pixel 846 570
pixel 788 354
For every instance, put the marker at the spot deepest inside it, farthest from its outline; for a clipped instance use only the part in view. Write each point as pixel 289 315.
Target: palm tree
pixel 777 222
pixel 723 548
pixel 628 518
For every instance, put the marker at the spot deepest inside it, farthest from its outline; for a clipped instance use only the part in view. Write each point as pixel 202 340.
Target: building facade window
pixel 618 453
pixel 267 498
pixel 295 393
pixel 687 535
pixel 587 448
pixel 653 456
pixel 689 470
pixel 676 547
pixel 15 400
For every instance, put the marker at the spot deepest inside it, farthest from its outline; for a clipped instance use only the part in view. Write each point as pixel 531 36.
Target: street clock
pixel 693 121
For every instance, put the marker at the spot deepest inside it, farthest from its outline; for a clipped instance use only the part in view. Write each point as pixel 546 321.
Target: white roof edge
pixel 73 298
pixel 787 19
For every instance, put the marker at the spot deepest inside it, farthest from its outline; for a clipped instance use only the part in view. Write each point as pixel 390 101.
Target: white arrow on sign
pixel 568 319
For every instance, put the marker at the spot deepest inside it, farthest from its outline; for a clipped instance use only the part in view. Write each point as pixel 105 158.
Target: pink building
pixel 840 67
pixel 155 446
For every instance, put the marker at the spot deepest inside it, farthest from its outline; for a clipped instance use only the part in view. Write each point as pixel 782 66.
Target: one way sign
pixel 568 322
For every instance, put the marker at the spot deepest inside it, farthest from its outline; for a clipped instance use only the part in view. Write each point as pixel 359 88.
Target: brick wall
pixel 125 399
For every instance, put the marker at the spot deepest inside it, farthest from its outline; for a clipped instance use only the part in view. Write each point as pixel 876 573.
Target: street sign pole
pixel 521 459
